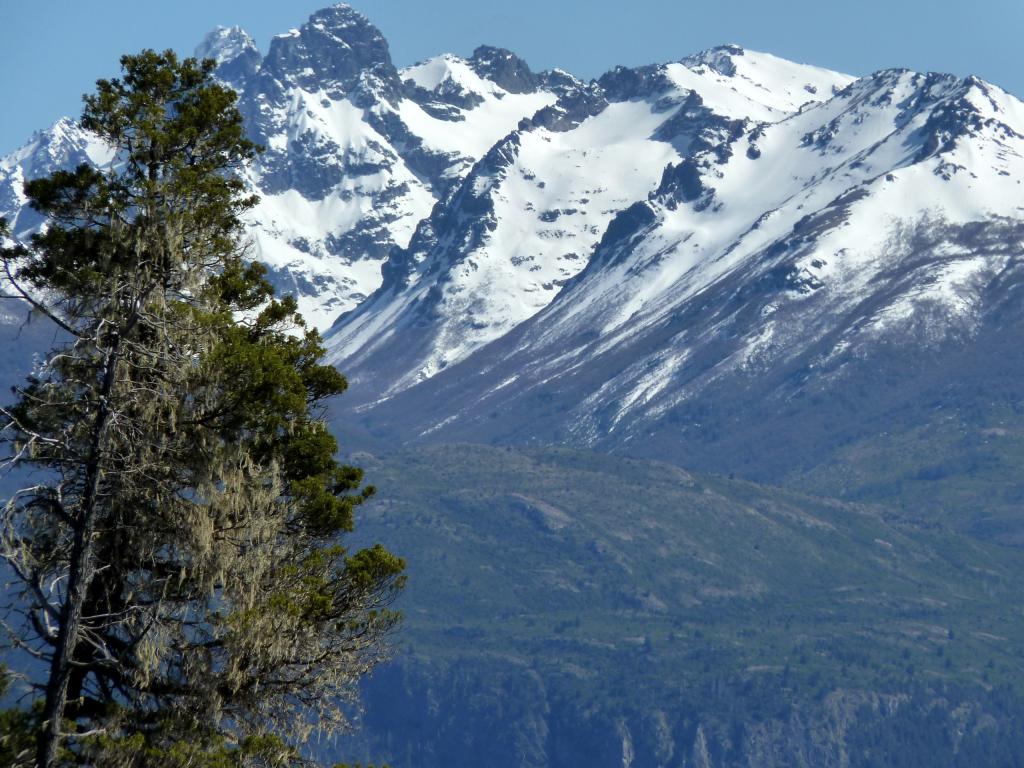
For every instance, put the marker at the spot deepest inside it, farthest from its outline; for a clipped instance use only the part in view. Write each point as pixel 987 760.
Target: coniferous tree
pixel 176 543
pixel 16 729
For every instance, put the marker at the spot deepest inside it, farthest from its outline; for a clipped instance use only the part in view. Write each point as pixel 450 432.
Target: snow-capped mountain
pixel 357 151
pixel 530 214
pixel 62 145
pixel 816 271
pixel 659 260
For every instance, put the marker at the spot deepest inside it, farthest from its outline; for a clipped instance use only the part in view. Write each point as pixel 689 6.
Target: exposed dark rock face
pixel 329 52
pixel 681 183
pixel 576 102
pixel 504 68
pixel 624 83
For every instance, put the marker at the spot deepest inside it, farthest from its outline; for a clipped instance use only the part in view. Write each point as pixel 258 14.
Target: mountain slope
pixel 62 145
pixel 359 152
pixel 702 260
pixel 528 217
pixel 573 609
pixel 824 203
pixel 806 283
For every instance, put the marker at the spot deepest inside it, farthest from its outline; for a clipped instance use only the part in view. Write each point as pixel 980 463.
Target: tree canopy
pixel 177 542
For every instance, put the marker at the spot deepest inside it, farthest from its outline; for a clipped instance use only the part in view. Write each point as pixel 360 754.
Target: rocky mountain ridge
pixel 530 214
pixel 815 207
pixel 357 151
pixel 684 260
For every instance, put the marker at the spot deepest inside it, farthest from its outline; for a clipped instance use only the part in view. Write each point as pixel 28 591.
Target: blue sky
pixel 53 50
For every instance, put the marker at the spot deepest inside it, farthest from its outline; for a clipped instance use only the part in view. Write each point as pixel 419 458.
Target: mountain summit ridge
pixel 887 215
pixel 544 185
pixel 368 167
pixel 501 254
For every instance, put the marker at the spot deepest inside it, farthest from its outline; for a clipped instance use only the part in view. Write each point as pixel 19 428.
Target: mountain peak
pixel 224 44
pixel 63 137
pixel 329 51
pixel 339 17
pixel 504 68
pixel 235 52
pixel 719 58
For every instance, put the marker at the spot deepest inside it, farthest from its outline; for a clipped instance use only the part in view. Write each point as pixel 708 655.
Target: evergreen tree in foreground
pixel 176 541
pixel 16 729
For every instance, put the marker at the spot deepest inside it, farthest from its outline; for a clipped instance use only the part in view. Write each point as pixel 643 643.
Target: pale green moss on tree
pixel 181 573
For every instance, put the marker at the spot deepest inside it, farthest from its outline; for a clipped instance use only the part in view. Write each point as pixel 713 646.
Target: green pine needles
pixel 176 546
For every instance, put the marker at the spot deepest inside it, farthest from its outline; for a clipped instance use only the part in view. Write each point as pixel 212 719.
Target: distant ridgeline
pixel 734 264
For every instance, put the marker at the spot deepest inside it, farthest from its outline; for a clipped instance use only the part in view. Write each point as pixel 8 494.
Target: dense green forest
pixel 570 608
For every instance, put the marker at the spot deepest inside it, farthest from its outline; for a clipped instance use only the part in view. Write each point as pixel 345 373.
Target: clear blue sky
pixel 52 51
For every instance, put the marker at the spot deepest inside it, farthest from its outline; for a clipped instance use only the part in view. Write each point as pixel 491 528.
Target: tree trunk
pixel 80 573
